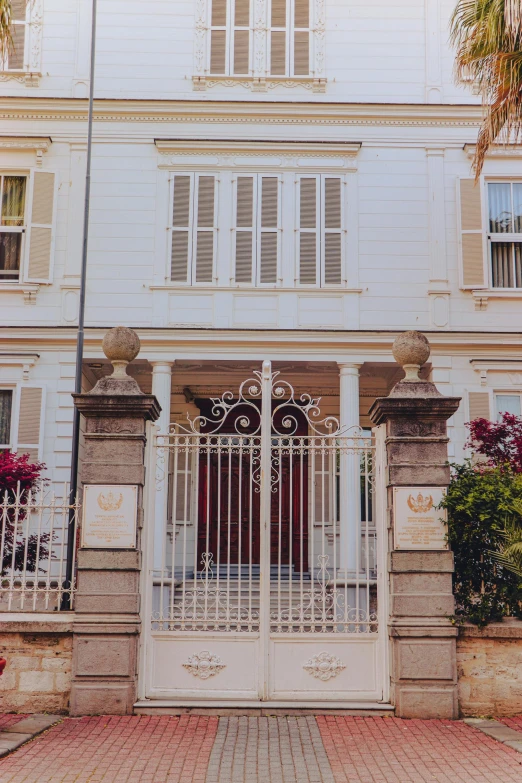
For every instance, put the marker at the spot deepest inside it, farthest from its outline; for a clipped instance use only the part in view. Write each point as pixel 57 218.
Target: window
pixel 230 37
pixel 15 59
pixel 320 230
pixel 508 403
pixel 12 225
pixel 193 228
pixel 289 29
pixel 505 233
pixel 256 229
pixel 6 407
pixel 281 32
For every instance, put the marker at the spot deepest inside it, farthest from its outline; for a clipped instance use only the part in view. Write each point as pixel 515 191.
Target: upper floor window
pixel 12 225
pixel 320 230
pixel 16 59
pixel 272 40
pixel 505 233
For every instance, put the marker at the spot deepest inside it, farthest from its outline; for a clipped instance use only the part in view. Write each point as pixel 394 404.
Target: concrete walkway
pixel 302 749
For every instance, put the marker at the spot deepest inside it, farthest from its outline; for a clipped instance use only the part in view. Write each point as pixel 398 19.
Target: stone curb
pixel 26 729
pixel 497 731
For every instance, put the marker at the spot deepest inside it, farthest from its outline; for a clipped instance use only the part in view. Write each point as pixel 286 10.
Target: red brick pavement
pixel 7 720
pixel 116 750
pixel 388 750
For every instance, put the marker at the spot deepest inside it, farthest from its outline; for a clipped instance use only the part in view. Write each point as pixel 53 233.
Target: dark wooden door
pixel 229 504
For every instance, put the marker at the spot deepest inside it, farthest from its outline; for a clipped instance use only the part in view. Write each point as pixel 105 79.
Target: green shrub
pixel 482 503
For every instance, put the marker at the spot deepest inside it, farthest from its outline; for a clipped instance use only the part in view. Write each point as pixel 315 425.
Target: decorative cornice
pixel 244 112
pixel 497 151
pixel 35 143
pixel 260 83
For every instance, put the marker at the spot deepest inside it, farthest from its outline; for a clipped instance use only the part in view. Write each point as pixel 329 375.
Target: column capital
pixel 162 365
pixel 349 368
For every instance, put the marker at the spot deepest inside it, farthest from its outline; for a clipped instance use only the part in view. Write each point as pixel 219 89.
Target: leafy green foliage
pixel 482 505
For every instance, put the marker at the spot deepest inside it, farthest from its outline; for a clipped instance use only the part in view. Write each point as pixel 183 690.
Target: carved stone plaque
pixel 418 523
pixel 109 516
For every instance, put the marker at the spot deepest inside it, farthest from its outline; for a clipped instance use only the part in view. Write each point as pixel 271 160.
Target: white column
pixel 350 492
pixel 161 387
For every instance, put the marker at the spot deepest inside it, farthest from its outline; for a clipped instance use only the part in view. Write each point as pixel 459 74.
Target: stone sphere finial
pixel 121 345
pixel 411 350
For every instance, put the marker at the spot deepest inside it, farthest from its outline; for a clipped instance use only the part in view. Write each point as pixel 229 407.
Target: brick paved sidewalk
pixel 326 749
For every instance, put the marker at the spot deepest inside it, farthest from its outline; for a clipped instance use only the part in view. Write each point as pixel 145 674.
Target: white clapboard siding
pixel 479 405
pixel 268 256
pixel 472 269
pixel 332 232
pixel 181 225
pixel 308 245
pixel 245 234
pixel 41 226
pixel 206 228
pixel 29 421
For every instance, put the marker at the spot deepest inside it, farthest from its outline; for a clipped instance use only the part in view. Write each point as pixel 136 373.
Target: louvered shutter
pixel 269 226
pixel 218 38
pixel 332 231
pixel 40 233
pixel 472 273
pixel 478 405
pixel 241 36
pixel 181 478
pixel 301 37
pixel 278 19
pixel 322 487
pixel 245 235
pixel 204 235
pixel 181 221
pixel 308 230
pixel 29 421
pixel 15 60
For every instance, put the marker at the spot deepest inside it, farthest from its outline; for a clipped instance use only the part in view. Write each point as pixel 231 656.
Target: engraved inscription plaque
pixel 418 522
pixel 109 516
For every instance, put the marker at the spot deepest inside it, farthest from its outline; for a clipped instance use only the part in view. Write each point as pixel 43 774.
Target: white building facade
pixel 281 180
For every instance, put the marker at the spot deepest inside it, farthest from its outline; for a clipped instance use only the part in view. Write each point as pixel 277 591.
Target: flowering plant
pixel 499 441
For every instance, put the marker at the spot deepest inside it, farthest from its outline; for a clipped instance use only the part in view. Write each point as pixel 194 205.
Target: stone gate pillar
pixel 422 638
pixel 107 602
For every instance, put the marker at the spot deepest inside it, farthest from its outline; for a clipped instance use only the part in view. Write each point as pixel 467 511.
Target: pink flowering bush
pixel 19 474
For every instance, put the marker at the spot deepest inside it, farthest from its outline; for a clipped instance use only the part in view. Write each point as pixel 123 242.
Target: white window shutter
pixel 479 405
pixel 472 271
pixel 269 229
pixel 218 51
pixel 241 51
pixel 245 235
pixel 322 488
pixel 39 250
pixel 332 222
pixel 308 231
pixel 181 224
pixel 205 230
pixel 29 421
pixel 181 478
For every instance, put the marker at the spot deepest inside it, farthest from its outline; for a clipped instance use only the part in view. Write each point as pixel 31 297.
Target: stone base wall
pixel 37 677
pixel 489 665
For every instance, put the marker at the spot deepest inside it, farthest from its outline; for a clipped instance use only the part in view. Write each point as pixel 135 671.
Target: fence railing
pixel 34 531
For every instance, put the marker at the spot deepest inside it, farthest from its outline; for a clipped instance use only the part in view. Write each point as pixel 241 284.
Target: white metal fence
pixel 34 530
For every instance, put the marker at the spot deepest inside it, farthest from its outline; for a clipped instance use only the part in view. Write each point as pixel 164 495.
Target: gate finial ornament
pixel 120 345
pixel 411 350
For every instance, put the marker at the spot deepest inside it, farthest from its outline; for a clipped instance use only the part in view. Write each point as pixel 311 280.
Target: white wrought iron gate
pixel 265 579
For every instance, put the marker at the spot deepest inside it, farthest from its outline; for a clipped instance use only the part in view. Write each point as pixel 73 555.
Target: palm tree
pixel 488 38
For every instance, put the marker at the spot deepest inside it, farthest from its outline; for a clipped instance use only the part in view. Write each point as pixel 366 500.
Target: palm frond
pixel 487 35
pixel 6 18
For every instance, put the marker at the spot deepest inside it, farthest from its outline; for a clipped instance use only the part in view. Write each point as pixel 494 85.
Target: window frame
pixel 192 227
pixel 505 393
pixel 493 237
pixel 230 28
pixel 320 230
pixel 23 229
pixel 290 33
pixel 257 228
pixel 4 63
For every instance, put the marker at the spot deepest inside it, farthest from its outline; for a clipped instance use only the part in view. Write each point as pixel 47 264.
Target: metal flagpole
pixel 71 535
